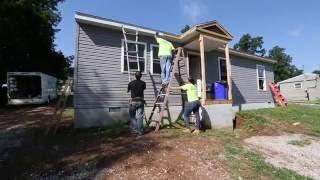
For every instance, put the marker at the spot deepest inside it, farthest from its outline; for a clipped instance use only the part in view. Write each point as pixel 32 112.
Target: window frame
pixel 151 59
pixel 144 55
pixel 219 70
pixel 264 78
pixel 295 87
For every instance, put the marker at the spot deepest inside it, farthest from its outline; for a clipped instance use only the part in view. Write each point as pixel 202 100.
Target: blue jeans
pixel 136 112
pixel 165 64
pixel 192 107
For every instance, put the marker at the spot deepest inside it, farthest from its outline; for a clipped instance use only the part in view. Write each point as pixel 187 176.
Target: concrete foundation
pixel 252 106
pixel 212 116
pixel 100 117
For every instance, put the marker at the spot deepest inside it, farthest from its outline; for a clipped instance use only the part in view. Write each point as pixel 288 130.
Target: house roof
pixel 302 77
pixel 210 27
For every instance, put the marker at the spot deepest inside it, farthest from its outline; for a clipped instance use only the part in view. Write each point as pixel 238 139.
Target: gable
pixel 215 29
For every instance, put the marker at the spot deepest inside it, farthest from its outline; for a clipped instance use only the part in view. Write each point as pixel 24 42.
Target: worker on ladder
pixel 165 54
pixel 136 107
pixel 193 105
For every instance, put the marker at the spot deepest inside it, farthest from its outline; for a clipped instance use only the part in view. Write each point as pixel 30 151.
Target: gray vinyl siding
pixel 244 78
pixel 245 83
pixel 99 80
pixel 292 94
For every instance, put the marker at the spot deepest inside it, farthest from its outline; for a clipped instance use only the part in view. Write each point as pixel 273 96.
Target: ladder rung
pixel 159 103
pixel 178 93
pixel 162 95
pixel 132 51
pixel 132 60
pixel 134 69
pixel 131 33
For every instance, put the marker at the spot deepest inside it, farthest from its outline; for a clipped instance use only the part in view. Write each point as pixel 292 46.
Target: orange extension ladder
pixel 277 95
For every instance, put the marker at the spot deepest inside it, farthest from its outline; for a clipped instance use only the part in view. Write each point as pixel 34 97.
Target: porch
pixel 208 61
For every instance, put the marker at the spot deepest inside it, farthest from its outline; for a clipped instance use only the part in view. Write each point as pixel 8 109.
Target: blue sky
pixel 292 24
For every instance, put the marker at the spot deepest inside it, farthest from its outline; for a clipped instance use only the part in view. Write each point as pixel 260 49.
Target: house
pixel 101 75
pixel 304 87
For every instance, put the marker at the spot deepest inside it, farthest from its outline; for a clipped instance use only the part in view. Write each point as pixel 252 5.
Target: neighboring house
pixel 101 75
pixel 304 87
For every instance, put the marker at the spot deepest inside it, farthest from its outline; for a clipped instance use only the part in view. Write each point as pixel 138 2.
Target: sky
pixel 291 24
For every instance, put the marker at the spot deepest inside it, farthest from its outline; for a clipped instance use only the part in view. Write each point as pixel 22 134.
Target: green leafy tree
pixel 316 71
pixel 185 29
pixel 283 69
pixel 252 45
pixel 27 29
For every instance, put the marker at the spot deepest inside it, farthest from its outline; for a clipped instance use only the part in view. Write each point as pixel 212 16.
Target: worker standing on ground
pixel 165 55
pixel 136 108
pixel 193 105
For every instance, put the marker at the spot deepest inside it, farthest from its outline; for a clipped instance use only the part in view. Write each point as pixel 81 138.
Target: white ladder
pixel 127 51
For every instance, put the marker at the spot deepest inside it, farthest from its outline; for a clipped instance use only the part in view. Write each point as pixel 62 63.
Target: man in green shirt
pixel 193 105
pixel 165 55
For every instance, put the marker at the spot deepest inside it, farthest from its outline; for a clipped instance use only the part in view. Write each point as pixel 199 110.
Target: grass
pixel 253 119
pixel 317 101
pixel 242 163
pixel 301 143
pixel 308 116
pixel 245 164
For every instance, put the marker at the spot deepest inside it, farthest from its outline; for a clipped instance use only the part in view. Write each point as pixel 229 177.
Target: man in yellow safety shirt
pixel 165 55
pixel 193 105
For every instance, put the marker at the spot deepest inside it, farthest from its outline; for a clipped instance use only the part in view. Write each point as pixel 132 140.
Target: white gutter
pixel 93 20
pixel 118 25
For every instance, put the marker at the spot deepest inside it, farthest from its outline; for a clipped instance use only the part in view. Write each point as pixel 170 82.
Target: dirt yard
pixel 265 145
pixel 27 153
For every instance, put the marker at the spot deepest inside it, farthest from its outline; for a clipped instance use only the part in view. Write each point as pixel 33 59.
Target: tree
pixel 252 45
pixel 316 71
pixel 185 29
pixel 283 69
pixel 26 38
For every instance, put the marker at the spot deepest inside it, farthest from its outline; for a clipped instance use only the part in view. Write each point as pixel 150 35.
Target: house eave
pixel 250 56
pixel 117 25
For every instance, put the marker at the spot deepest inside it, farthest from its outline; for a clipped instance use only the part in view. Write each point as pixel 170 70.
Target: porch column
pixel 228 64
pixel 203 72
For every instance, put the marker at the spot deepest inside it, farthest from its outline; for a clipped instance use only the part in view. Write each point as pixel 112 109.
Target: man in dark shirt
pixel 136 108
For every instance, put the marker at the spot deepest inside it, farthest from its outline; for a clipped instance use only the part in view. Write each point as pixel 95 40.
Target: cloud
pixel 296 31
pixel 193 9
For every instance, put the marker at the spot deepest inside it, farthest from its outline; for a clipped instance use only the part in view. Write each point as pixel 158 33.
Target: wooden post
pixel 229 79
pixel 203 71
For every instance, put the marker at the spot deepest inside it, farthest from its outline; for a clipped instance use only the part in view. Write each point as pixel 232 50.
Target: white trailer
pixel 30 88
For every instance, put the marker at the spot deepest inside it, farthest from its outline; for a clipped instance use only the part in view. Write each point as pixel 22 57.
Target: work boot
pixel 196 132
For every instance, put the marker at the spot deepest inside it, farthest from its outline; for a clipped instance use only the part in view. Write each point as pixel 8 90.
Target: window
pixel 261 76
pixel 298 85
pixel 222 69
pixel 155 61
pixel 132 56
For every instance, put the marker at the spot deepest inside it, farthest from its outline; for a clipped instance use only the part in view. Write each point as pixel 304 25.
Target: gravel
pixel 278 151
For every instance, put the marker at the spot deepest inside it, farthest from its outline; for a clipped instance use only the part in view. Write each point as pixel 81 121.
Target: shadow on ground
pixel 27 153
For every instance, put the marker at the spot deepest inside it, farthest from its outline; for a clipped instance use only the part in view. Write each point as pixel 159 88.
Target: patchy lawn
pixel 317 101
pixel 286 137
pixel 113 153
pixel 293 119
